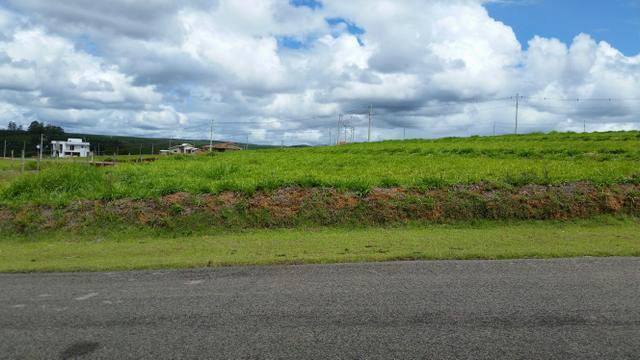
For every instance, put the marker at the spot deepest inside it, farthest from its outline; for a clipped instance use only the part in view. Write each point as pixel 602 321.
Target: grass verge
pixel 605 236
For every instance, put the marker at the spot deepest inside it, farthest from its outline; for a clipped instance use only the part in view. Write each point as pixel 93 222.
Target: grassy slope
pixel 602 158
pixel 120 251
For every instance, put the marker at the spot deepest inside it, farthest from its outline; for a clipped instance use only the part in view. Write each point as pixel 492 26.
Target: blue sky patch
pixel 351 27
pixel 313 4
pixel 291 42
pixel 615 21
pixel 86 44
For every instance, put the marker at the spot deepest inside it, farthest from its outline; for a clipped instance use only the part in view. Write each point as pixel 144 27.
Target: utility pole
pixel 517 108
pixel 370 116
pixel 339 129
pixel 211 137
pixel 494 128
pixel 330 137
pixel 40 155
pixel 404 133
pixel 4 153
pixel 152 152
pixel 24 147
pixel 247 144
pixel 584 125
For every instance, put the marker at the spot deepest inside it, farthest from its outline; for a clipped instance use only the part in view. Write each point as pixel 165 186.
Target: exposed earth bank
pixel 295 206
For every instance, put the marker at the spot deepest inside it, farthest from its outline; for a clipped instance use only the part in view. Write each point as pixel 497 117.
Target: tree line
pixel 16 137
pixel 37 127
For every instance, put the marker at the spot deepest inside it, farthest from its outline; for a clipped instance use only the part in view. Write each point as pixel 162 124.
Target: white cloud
pixel 166 68
pixel 50 78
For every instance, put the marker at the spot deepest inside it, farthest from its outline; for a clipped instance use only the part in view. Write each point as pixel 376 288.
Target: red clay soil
pixel 326 206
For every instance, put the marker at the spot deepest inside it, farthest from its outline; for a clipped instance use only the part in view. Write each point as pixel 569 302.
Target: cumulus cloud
pixel 280 72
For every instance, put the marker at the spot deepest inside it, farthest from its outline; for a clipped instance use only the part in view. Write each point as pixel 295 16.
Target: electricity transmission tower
pixel 346 131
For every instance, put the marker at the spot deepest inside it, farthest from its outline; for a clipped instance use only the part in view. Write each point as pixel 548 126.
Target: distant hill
pixel 104 144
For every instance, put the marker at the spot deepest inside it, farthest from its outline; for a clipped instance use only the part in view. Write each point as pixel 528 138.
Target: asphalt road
pixel 570 308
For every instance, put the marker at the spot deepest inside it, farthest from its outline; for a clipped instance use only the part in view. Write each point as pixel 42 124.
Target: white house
pixel 70 148
pixel 180 149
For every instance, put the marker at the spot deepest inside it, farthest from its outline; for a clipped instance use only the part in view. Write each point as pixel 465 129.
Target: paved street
pixel 570 308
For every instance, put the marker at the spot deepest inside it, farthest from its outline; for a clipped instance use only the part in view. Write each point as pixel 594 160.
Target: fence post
pixel 22 165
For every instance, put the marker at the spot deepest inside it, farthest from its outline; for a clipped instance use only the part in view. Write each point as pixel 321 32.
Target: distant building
pixel 70 148
pixel 180 149
pixel 222 147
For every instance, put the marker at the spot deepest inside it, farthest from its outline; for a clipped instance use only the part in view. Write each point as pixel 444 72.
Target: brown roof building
pixel 222 147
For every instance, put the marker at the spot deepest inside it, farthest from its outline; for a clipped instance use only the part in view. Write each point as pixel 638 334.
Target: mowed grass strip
pixel 60 252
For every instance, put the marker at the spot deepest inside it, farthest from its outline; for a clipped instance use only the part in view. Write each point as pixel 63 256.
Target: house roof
pixel 185 145
pixel 73 141
pixel 223 146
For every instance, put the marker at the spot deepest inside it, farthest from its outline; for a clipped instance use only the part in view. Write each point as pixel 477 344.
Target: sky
pixel 615 21
pixel 283 71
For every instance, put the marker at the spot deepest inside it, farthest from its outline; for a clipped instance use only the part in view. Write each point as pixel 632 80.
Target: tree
pixel 51 130
pixel 36 127
pixel 48 132
pixel 12 126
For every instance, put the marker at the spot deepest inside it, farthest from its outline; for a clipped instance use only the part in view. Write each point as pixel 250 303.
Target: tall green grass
pixel 601 158
pixel 58 184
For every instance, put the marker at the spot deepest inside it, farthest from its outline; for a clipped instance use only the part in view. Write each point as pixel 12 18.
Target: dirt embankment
pixel 323 206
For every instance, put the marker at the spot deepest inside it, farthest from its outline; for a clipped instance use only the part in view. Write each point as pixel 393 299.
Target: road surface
pixel 568 308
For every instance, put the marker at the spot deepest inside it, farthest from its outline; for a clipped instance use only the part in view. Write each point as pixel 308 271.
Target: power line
pixel 579 99
pixel 347 128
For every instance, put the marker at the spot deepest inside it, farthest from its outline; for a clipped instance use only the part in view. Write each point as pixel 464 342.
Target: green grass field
pixel 130 250
pixel 601 158
pixel 504 161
